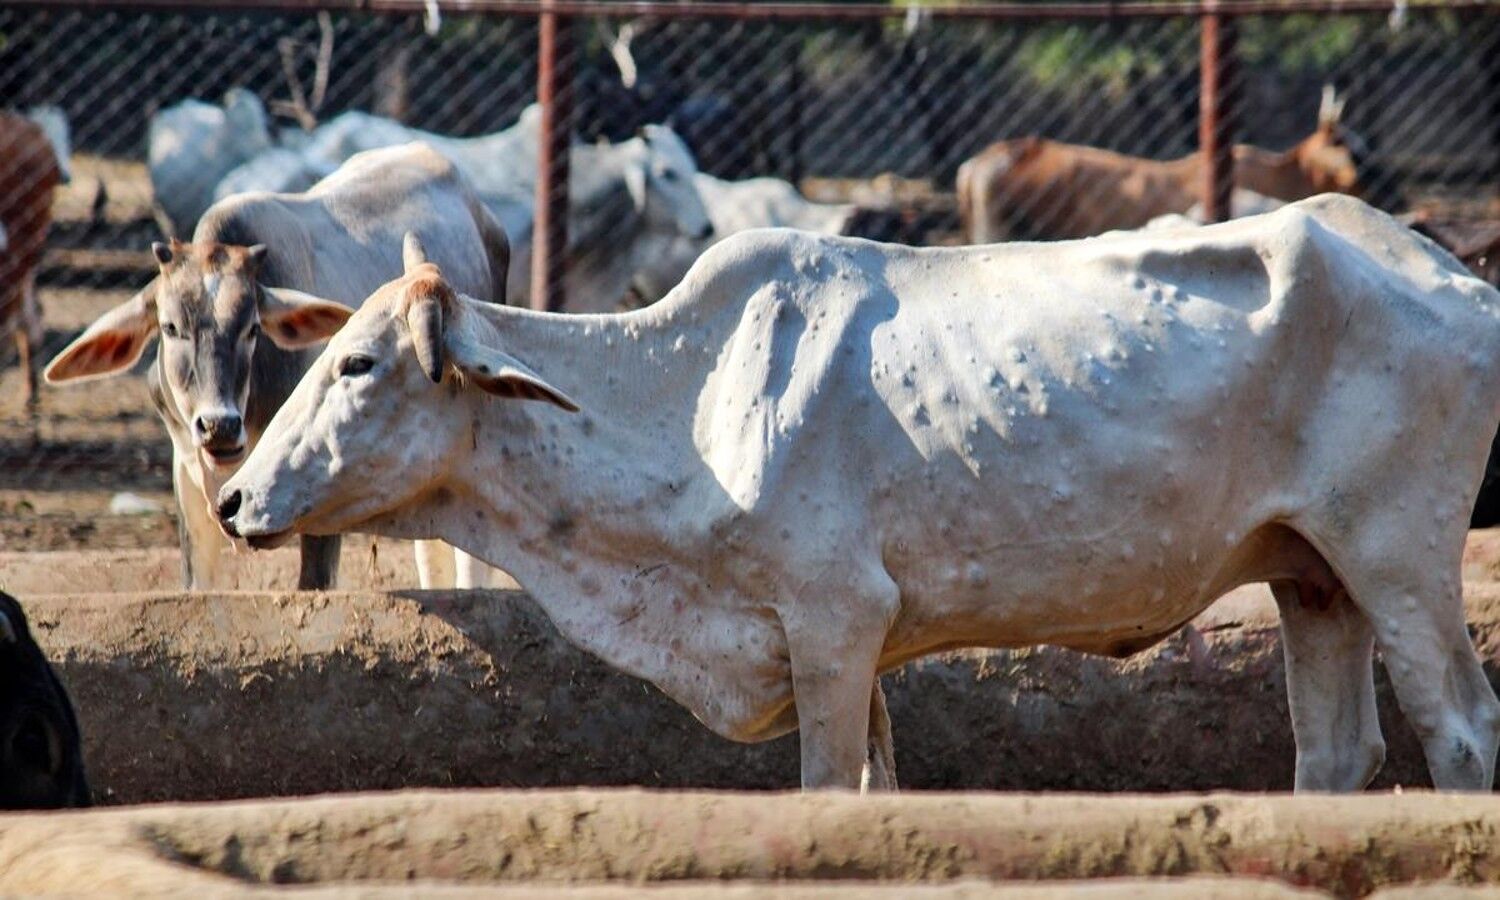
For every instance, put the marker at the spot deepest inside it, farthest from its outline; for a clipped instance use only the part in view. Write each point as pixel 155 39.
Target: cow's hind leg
pixel 24 359
pixel 435 561
pixel 1413 598
pixel 470 572
pixel 320 562
pixel 29 337
pixel 880 765
pixel 1438 679
pixel 1328 646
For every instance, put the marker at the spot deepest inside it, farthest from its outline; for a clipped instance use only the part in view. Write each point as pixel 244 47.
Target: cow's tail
pixel 965 189
pixel 975 193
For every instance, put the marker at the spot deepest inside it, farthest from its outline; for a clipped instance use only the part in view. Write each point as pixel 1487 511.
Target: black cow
pixel 41 762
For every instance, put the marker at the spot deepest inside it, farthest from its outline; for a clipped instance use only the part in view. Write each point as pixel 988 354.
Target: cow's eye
pixel 170 330
pixel 669 174
pixel 355 364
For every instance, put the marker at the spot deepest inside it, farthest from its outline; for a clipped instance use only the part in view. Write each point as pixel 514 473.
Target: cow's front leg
pixel 320 562
pixel 198 536
pixel 835 649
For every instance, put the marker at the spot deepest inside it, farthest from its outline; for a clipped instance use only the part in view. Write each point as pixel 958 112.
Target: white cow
pixel 192 145
pixel 216 381
pixel 54 124
pixel 501 166
pixel 819 458
pixel 629 202
pixel 735 206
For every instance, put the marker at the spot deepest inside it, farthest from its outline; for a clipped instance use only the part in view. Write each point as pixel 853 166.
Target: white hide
pixel 54 124
pixel 735 206
pixel 818 458
pixel 278 170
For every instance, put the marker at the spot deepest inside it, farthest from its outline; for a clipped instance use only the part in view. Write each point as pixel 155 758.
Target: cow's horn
pixel 1328 106
pixel 413 254
pixel 425 319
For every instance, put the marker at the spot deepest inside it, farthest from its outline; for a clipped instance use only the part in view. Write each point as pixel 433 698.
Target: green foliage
pixel 1303 41
pixel 1063 55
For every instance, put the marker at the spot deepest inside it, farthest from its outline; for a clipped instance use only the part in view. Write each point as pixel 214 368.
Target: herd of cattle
pixel 809 458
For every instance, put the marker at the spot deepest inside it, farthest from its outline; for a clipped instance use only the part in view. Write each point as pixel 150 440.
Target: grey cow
pixel 215 383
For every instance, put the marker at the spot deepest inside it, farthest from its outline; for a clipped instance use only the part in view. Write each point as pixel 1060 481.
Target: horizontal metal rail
pixel 783 11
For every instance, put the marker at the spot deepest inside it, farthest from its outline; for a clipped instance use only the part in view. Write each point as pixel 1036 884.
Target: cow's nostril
pixel 228 506
pixel 200 426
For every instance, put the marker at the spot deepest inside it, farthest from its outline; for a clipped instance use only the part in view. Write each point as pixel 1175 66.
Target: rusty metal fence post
pixel 1216 112
pixel 555 94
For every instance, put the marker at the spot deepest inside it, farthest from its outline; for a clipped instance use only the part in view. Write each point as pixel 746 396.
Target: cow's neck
pixel 604 516
pixel 557 487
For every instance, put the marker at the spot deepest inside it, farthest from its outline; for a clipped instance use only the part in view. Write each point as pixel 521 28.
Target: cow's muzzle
pixel 221 436
pixel 229 506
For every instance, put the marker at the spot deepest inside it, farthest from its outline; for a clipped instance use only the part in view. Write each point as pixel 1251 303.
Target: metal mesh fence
pixel 872 119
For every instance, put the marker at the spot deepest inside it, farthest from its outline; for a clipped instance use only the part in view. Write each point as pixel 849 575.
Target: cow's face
pixel 1332 156
pixel 374 425
pixel 41 763
pixel 210 313
pixel 660 179
pixel 1328 160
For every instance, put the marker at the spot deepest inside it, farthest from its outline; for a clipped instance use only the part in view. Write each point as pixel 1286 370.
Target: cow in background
pixel 628 202
pixel 735 206
pixel 191 146
pixel 33 161
pixel 1043 189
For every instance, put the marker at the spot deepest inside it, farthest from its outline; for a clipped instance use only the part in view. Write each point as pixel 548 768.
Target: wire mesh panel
pixel 1073 126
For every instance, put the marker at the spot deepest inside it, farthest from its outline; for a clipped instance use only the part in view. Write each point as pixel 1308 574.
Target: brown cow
pixel 29 170
pixel 1038 188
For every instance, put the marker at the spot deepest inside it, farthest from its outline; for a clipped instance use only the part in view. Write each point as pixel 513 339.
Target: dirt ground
pixel 228 695
pixel 1345 846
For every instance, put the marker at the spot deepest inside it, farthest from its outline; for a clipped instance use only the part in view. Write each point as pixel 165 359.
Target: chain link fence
pixel 871 118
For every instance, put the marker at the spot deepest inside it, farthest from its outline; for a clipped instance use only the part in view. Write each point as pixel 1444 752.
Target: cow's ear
pixel 501 374
pixel 111 345
pixel 255 254
pixel 294 320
